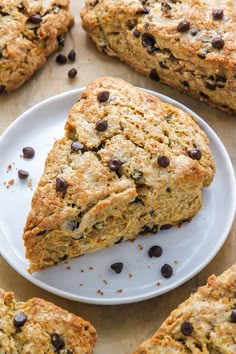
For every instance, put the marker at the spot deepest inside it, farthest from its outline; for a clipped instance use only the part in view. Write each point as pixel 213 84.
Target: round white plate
pixel 89 278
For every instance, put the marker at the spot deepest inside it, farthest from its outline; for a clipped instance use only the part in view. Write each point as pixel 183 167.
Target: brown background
pixel 120 328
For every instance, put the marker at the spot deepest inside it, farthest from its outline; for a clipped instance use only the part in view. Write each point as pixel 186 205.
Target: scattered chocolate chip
pixel 146 26
pixel 166 227
pixel 28 152
pixel 183 26
pixel 195 154
pixel 114 164
pixel 61 184
pixel 233 316
pixel 131 24
pixel 23 174
pixel 101 125
pixel 186 328
pixel 149 229
pixel 61 59
pixel 148 40
pixel 77 146
pixel 204 95
pixel 136 33
pixel 155 251
pixel 166 271
pixel 154 75
pixel 57 341
pixel 218 43
pixel 2 89
pixel 35 19
pixel 201 55
pixel 19 319
pixel 220 78
pixel 163 161
pixel 218 14
pixel 168 190
pixel 60 40
pixel 117 267
pixel 103 96
pixel 72 73
pixel 72 55
pixel 185 83
pixel 210 85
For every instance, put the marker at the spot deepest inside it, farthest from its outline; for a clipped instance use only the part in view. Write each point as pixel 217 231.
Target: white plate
pixel 89 278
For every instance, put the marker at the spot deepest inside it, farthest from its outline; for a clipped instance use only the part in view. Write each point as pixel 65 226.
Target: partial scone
pixel 204 323
pixel 129 163
pixel 188 44
pixel 40 327
pixel 29 32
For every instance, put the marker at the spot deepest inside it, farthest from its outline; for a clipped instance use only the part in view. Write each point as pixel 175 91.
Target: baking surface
pixel 120 328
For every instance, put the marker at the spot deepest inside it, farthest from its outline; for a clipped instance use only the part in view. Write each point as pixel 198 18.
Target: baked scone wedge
pixel 40 327
pixel 29 32
pixel 204 323
pixel 187 44
pixel 128 163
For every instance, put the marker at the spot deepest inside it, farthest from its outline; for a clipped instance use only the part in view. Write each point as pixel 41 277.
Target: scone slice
pixel 204 323
pixel 105 185
pixel 40 327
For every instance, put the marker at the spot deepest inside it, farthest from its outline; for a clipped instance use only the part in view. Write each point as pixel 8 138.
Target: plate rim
pixel 125 300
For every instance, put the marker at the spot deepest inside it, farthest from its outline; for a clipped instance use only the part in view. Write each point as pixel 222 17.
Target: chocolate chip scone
pixel 29 32
pixel 204 323
pixel 186 44
pixel 128 163
pixel 40 327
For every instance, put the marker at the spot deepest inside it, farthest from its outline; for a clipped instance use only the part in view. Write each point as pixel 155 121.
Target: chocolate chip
pixel 117 267
pixel 148 40
pixel 210 85
pixel 103 96
pixel 131 24
pixel 61 59
pixel 57 341
pixel 114 164
pixel 28 152
pixel 218 14
pixel 220 78
pixel 233 316
pixel 101 125
pixel 60 40
pixel 136 33
pixel 61 184
pixel 165 7
pixel 195 154
pixel 163 161
pixel 168 190
pixel 152 50
pixel 77 146
pixel 137 174
pixel 186 328
pixel 23 174
pixel 119 240
pixel 72 55
pixel 185 83
pixel 35 19
pixel 2 89
pixel 163 65
pixel 204 95
pixel 72 73
pixel 201 55
pixel 63 258
pixel 183 26
pixel 218 43
pixel 155 251
pixel 19 320
pixel 154 75
pixel 149 229
pixel 166 227
pixel 193 32
pixel 41 233
pixel 166 271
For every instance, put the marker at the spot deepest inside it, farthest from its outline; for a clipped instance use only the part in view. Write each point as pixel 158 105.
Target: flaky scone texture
pixel 40 327
pixel 157 184
pixel 209 313
pixel 187 44
pixel 29 32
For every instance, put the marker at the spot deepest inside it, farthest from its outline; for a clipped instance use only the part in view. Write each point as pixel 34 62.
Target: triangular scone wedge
pixel 128 163
pixel 40 327
pixel 204 323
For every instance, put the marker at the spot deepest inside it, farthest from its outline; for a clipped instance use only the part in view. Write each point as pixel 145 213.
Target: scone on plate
pixel 40 327
pixel 204 323
pixel 128 164
pixel 186 44
pixel 29 32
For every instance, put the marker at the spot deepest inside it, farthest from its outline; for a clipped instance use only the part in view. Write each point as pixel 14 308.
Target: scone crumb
pixel 100 292
pixel 119 291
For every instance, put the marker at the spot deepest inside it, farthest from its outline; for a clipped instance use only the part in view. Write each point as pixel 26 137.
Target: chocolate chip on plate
pixel 186 328
pixel 19 319
pixel 103 96
pixel 217 14
pixel 22 174
pixel 166 271
pixel 61 184
pixel 72 55
pixel 57 341
pixel 233 316
pixel 114 164
pixel 101 125
pixel 36 19
pixel 183 26
pixel 72 73
pixel 155 251
pixel 163 161
pixel 61 59
pixel 218 43
pixel 28 152
pixel 195 154
pixel 117 267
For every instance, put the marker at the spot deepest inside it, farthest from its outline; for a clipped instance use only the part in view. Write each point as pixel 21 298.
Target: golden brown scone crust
pixel 150 36
pixel 101 207
pixel 43 319
pixel 209 312
pixel 24 45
